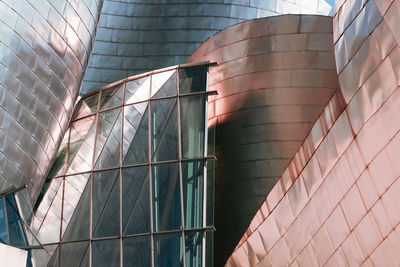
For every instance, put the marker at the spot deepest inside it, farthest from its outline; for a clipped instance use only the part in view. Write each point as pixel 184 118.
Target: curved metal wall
pixel 274 78
pixel 44 49
pixel 339 204
pixel 136 36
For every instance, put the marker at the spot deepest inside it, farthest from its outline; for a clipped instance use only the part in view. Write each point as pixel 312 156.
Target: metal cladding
pixel 44 49
pixel 337 204
pixel 274 78
pixel 136 36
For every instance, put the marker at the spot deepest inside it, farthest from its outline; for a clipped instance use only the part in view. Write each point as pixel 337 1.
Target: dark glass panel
pixel 106 253
pixel 15 228
pixel 105 203
pixel 55 258
pixel 76 208
pixel 192 79
pixel 110 153
pixel 193 193
pixel 210 193
pixel 168 250
pixel 3 227
pixel 163 84
pixel 111 97
pixel 209 248
pixel 166 197
pixel 164 130
pixel 193 248
pixel 136 134
pixel 137 90
pixel 193 125
pixel 105 125
pixel 135 200
pixel 137 251
pixel 59 166
pixel 86 106
pixel 74 254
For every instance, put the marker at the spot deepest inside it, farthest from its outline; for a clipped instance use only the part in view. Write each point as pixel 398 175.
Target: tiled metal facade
pixel 337 204
pixel 44 50
pixel 136 36
pixel 274 78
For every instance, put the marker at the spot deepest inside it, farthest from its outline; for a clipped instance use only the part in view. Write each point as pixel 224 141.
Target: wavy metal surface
pixel 136 36
pixel 340 206
pixel 44 48
pixel 274 78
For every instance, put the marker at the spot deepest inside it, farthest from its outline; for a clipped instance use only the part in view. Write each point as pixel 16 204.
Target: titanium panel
pixel 44 50
pixel 274 78
pixel 343 194
pixel 135 36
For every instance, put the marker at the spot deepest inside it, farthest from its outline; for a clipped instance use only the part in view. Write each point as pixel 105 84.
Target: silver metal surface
pixel 44 49
pixel 274 78
pixel 136 36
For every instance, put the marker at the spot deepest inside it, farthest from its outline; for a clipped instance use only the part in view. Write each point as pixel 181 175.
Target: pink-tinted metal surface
pixel 274 78
pixel 342 208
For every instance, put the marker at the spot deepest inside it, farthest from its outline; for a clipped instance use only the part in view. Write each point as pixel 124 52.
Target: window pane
pixel 192 79
pixel 136 134
pixel 193 126
pixel 16 230
pixel 163 84
pixel 137 251
pixel 137 90
pixel 105 203
pixel 193 191
pixel 193 248
pixel 87 106
pixel 112 97
pixel 74 254
pixel 168 251
pixel 164 130
pixel 3 229
pixel 135 200
pixel 106 253
pixel 166 197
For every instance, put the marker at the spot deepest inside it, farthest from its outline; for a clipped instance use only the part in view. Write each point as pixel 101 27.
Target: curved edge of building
pixel 337 204
pixel 44 52
pixel 136 36
pixel 274 78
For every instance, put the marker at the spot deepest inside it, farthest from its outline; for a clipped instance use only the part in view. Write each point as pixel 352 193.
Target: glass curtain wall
pixel 129 185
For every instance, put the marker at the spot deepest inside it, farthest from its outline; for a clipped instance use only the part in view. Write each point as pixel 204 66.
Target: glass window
pixel 137 251
pixel 192 126
pixel 137 90
pixel 192 79
pixel 163 84
pixel 193 248
pixel 111 97
pixel 105 221
pixel 193 189
pixel 3 227
pixel 74 254
pixel 86 106
pixel 16 230
pixel 168 251
pixel 106 253
pixel 164 130
pixel 135 200
pixel 166 197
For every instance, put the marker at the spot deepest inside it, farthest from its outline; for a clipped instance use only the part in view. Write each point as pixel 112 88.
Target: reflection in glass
pixel 168 251
pixel 193 248
pixel 15 228
pixel 164 130
pixel 105 221
pixel 3 227
pixel 192 126
pixel 166 197
pixel 137 90
pixel 111 97
pixel 163 84
pixel 105 253
pixel 192 79
pixel 192 179
pixel 74 254
pixel 86 106
pixel 136 134
pixel 135 200
pixel 137 251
